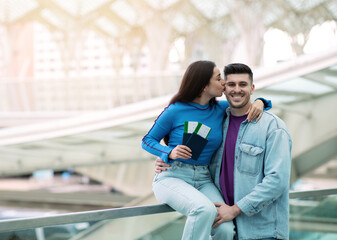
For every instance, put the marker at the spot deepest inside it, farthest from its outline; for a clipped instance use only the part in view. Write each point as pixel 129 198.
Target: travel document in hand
pixel 195 137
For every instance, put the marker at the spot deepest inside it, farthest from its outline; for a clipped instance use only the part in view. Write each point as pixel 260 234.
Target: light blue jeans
pixel 189 189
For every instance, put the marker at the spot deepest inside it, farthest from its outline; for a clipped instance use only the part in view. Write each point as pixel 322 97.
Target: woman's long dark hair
pixel 197 76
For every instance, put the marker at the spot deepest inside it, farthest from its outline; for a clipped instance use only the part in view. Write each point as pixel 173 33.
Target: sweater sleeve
pixel 267 103
pixel 223 104
pixel 161 127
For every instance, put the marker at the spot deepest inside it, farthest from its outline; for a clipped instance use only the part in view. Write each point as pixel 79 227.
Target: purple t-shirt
pixel 228 158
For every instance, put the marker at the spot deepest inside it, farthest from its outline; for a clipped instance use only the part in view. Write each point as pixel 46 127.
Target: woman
pixel 187 185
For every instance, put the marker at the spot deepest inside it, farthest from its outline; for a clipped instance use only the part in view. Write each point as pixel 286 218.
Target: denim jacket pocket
pixel 250 159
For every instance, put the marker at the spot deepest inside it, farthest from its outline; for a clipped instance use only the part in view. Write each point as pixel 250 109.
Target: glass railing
pixel 313 215
pixel 71 222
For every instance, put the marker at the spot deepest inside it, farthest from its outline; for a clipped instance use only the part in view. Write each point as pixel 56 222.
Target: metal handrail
pixel 78 217
pixel 108 214
pixel 312 193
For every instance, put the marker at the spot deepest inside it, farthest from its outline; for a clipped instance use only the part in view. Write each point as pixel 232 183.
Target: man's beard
pixel 232 103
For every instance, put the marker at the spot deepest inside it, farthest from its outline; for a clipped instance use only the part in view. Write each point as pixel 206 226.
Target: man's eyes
pixel 240 84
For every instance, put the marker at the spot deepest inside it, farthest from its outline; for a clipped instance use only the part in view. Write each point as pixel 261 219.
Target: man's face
pixel 238 90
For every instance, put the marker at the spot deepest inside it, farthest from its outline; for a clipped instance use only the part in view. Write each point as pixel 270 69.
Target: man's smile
pixel 237 97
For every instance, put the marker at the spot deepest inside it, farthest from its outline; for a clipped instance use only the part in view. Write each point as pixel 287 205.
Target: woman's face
pixel 216 85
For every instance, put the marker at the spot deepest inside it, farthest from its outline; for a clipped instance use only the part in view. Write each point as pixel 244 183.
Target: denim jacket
pixel 261 177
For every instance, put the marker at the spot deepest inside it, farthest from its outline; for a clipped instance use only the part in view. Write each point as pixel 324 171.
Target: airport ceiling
pixel 111 138
pixel 122 18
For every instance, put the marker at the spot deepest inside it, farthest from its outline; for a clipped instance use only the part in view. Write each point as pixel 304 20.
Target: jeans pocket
pixel 156 176
pixel 162 174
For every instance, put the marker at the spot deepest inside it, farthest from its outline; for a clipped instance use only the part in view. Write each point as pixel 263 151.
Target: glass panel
pixel 331 79
pixel 144 227
pixel 313 218
pixel 302 85
pixel 59 232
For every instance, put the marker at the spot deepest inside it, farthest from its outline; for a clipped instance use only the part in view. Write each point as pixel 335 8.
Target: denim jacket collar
pixel 228 111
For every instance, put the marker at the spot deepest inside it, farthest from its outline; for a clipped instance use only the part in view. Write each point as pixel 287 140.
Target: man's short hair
pixel 238 68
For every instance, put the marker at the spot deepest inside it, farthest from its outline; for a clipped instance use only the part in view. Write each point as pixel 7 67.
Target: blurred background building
pixel 81 83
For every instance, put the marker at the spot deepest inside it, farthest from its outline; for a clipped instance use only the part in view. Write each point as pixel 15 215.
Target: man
pixel 252 166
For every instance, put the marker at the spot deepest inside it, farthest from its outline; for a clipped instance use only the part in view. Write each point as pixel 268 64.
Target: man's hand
pixel 160 165
pixel 255 111
pixel 225 213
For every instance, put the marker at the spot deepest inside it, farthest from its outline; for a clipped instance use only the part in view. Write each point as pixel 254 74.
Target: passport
pixel 196 143
pixel 195 137
pixel 186 136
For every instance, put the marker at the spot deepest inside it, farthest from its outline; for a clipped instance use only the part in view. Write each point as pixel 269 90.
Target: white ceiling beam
pixel 84 123
pixel 302 65
pixel 287 93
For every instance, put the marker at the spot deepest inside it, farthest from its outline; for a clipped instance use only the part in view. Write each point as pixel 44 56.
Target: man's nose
pixel 237 88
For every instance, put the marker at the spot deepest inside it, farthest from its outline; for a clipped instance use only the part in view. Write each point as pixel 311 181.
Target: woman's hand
pixel 160 165
pixel 181 151
pixel 255 111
